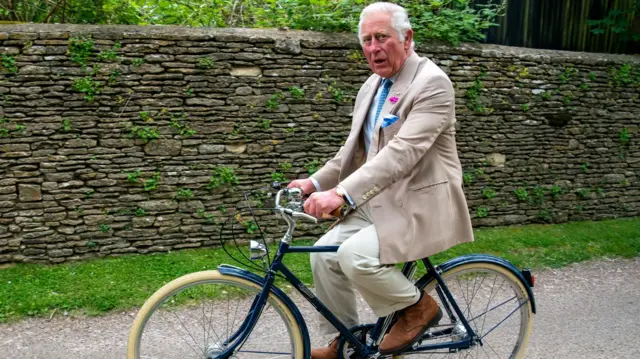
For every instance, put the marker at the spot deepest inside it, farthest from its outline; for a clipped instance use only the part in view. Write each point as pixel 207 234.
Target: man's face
pixel 382 47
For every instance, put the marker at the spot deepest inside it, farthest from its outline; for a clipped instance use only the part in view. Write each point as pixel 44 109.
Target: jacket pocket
pixel 393 128
pixel 428 187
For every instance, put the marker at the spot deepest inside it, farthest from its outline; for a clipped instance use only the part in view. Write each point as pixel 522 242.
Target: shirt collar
pixel 392 78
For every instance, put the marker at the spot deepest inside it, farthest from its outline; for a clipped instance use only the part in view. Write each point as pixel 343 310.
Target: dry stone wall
pixel 125 139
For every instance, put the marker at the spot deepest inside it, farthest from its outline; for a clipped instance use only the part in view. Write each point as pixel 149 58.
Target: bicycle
pixel 265 304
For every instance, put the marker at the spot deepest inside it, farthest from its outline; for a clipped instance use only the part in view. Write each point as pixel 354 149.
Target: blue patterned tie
pixel 386 85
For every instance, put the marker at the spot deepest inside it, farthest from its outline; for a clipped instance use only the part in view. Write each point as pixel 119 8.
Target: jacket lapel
pixel 404 79
pixel 361 113
pixel 356 144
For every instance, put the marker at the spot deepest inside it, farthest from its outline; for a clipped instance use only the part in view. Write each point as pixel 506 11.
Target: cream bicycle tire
pixel 212 277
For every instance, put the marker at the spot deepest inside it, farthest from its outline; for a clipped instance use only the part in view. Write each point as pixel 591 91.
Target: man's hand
pixel 306 185
pixel 321 204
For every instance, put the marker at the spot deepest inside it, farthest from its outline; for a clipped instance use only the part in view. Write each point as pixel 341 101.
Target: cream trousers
pixel 357 265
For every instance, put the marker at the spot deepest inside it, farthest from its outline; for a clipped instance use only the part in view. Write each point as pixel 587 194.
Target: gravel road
pixel 587 310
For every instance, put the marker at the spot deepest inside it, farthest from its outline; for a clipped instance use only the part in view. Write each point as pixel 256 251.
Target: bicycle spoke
pixel 211 322
pixel 227 327
pixel 507 317
pixel 490 347
pixel 205 333
pixel 475 291
pixel 194 340
pixel 468 310
pixel 235 314
pixel 491 296
pixel 496 307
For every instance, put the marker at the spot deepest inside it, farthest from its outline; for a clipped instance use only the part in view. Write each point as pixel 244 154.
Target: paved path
pixel 589 310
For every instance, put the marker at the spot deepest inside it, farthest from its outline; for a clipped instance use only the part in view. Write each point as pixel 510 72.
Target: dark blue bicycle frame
pixel 450 305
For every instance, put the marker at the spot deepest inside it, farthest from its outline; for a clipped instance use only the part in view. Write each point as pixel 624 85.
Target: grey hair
pixel 399 18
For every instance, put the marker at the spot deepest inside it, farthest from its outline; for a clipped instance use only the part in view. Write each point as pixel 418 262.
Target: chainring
pixel 345 351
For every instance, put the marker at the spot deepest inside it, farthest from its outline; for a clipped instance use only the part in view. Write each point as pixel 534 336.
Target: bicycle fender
pixel 487 258
pixel 244 274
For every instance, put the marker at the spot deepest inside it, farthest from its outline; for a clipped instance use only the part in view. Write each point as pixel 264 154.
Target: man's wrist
pixel 315 184
pixel 345 196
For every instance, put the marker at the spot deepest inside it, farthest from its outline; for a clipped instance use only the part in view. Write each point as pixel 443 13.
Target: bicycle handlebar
pixel 295 194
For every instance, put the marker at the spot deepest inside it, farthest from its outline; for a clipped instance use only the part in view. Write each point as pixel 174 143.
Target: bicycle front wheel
pixel 199 315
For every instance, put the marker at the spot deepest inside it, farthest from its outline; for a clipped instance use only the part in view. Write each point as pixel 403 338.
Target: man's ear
pixel 408 38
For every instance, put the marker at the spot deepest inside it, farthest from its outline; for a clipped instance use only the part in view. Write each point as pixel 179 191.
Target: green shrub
pixel 453 21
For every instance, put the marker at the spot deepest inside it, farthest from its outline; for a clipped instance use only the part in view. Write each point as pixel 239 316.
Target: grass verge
pixel 122 283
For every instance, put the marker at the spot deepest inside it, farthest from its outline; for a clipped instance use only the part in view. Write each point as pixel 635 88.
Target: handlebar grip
pixel 338 212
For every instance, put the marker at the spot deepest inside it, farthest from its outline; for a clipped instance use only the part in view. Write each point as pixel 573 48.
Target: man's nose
pixel 375 47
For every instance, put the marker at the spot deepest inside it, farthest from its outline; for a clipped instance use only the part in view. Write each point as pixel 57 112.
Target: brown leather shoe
pixel 412 322
pixel 330 352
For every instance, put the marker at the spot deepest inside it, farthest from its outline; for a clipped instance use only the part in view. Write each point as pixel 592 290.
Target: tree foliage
pixel 449 20
pixel 618 22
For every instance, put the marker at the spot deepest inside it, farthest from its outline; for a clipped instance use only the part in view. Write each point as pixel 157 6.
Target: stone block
pixel 93 220
pixel 288 46
pixel 102 183
pixel 147 69
pixel 160 102
pixel 496 159
pixel 59 176
pixel 7 189
pixel 159 205
pixel 60 252
pixel 66 230
pixel 34 70
pixel 242 71
pixel 29 192
pixel 204 102
pixel 191 206
pixel 244 91
pixel 614 178
pixel 159 58
pixel 70 184
pixel 236 147
pixel 16 147
pixel 258 148
pixel 88 143
pixel 8 50
pixel 143 221
pixel 117 143
pixel 163 148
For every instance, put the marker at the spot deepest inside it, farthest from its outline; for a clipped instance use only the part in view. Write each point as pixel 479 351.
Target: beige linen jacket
pixel 411 176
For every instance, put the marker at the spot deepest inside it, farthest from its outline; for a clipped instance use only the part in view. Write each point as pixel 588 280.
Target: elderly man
pixel 399 172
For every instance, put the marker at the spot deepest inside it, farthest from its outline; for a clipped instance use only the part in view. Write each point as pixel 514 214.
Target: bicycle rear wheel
pixel 495 303
pixel 197 315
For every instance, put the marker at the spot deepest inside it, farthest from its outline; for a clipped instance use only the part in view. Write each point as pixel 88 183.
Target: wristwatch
pixel 340 192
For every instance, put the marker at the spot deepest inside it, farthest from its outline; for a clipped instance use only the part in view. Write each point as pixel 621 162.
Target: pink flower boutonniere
pixel 393 99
